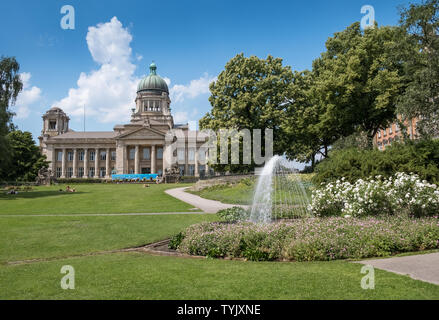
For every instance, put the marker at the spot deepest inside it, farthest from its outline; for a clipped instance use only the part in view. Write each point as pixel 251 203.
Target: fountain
pixel 280 193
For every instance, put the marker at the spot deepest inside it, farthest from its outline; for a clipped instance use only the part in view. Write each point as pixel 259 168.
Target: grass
pixel 93 198
pixel 67 240
pixel 234 194
pixel 243 191
pixel 50 237
pixel 142 276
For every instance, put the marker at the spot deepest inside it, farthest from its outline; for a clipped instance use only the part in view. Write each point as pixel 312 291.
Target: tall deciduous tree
pixel 10 86
pixel 26 157
pixel 250 94
pixel 357 81
pixel 420 51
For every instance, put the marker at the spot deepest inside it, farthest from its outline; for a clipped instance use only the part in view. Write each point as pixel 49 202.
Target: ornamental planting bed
pixel 313 239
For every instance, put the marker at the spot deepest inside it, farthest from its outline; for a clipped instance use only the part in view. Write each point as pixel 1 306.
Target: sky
pixel 96 66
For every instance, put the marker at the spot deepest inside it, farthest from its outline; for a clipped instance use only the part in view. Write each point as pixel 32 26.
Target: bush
pixel 420 157
pixel 402 194
pixel 312 239
pixel 80 180
pixel 233 214
pixel 175 241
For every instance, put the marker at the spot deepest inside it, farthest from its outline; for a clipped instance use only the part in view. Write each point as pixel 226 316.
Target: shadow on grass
pixel 36 194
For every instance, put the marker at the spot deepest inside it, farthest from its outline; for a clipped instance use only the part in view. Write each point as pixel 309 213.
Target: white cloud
pixel 109 92
pixel 28 96
pixel 195 88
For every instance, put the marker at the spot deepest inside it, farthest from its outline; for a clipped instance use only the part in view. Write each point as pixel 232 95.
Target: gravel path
pixel 208 206
pixel 423 267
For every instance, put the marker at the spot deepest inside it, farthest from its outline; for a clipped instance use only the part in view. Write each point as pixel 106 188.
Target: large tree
pixel 251 93
pixel 420 51
pixel 26 157
pixel 10 86
pixel 357 81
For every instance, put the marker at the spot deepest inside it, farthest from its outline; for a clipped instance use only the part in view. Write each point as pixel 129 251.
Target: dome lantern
pixel 153 82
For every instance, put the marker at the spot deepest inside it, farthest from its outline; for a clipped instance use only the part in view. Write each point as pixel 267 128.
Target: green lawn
pixel 48 237
pixel 93 198
pixel 233 194
pixel 72 240
pixel 142 276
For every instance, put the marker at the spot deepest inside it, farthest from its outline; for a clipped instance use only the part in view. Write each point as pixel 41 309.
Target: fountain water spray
pixel 280 193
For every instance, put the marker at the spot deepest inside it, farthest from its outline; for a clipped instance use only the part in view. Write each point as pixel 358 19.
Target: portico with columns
pixel 137 147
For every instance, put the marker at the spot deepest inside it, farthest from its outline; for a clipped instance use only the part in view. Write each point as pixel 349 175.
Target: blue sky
pixel 99 63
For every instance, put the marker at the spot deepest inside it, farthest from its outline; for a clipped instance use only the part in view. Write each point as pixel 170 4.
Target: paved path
pixel 423 267
pixel 98 214
pixel 208 206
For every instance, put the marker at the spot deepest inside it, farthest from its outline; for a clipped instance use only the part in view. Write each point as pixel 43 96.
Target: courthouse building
pixel 142 146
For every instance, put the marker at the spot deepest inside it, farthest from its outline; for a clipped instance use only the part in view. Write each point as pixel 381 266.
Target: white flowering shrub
pixel 401 194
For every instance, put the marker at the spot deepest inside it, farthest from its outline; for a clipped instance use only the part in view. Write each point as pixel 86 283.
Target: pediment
pixel 142 133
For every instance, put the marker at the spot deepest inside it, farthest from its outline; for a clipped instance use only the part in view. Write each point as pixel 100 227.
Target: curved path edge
pixel 206 205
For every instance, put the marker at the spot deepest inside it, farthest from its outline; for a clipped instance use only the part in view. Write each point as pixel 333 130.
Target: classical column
pixel 153 156
pixel 85 163
pixel 196 163
pixel 53 164
pixel 75 163
pixel 107 165
pixel 136 160
pixel 63 163
pixel 96 162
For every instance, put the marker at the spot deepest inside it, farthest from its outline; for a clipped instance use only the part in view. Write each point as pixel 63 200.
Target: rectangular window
pixel 70 156
pixel 146 154
pixel 52 125
pixel 80 172
pixel 113 155
pixel 59 156
pixel 379 133
pixel 191 168
pixel 180 155
pixel 396 127
pixel 191 154
pixel 181 168
pixel 159 172
pixel 146 170
pixel 102 172
pixel 202 170
pixel 69 172
pixel 92 156
pixel 81 155
pixel 103 155
pixel 160 153
pixel 390 130
pixel 385 132
pixel 58 172
pixel 91 172
pixel 131 171
pixel 132 153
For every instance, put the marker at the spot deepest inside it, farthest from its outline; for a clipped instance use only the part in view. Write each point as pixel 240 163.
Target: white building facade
pixel 148 144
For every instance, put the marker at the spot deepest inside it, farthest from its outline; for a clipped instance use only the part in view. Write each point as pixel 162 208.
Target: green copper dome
pixel 152 81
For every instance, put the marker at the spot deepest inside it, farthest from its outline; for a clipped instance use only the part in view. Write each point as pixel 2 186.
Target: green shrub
pixel 175 241
pixel 233 214
pixel 419 157
pixel 80 180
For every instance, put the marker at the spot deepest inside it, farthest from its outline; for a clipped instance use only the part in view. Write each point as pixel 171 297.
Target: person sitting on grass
pixel 68 189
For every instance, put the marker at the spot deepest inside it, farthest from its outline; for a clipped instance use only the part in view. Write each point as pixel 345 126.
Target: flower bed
pixel 310 239
pixel 402 194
